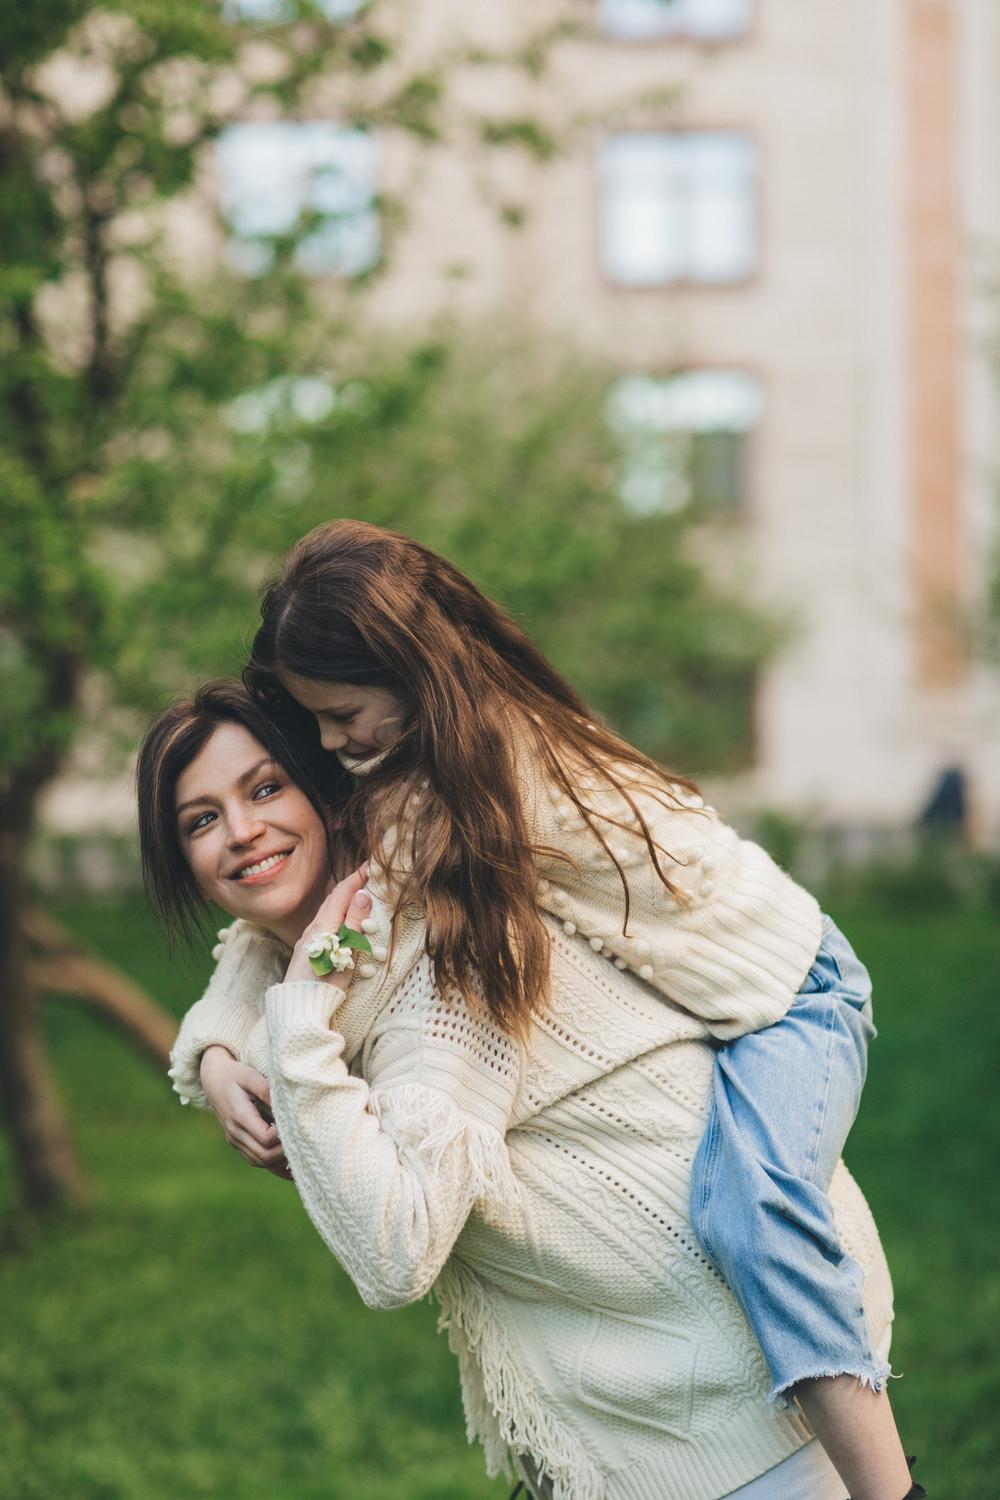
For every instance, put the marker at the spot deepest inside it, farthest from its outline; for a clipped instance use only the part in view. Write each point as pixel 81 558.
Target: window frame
pixel 746 511
pixel 684 283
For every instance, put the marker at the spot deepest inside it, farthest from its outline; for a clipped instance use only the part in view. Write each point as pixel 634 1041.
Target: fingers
pixel 335 907
pixel 361 905
pixel 252 1082
pixel 242 1116
pixel 254 1151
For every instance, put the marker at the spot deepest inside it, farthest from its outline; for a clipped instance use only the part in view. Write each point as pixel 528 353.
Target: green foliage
pixel 528 135
pixel 939 875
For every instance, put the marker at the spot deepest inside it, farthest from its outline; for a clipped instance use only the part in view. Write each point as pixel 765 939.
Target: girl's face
pixel 254 841
pixel 360 721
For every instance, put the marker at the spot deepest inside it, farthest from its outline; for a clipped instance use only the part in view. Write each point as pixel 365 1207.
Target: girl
pixel 486 797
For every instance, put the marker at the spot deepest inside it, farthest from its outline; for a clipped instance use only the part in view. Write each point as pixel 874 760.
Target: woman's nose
pixel 331 738
pixel 243 829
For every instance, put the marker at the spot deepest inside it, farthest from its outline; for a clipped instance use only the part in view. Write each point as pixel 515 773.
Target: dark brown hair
pixel 358 604
pixel 172 741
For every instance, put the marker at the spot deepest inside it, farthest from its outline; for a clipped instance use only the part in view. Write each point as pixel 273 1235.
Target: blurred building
pixel 786 246
pixel 782 224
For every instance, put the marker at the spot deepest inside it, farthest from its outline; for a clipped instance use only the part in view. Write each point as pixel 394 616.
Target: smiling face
pixel 359 721
pixel 255 843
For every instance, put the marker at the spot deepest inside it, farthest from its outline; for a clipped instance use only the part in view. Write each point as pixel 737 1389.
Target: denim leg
pixel 783 1102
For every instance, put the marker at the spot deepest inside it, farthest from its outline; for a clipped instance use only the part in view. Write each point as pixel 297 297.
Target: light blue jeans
pixel 783 1102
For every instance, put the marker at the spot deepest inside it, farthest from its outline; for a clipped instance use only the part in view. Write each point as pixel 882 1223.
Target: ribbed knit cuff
pixel 213 1021
pixel 301 1000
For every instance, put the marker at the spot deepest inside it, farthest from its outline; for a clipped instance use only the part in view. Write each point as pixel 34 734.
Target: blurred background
pixel 674 323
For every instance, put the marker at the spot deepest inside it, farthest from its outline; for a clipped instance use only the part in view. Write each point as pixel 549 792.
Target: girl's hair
pixel 171 743
pixel 358 604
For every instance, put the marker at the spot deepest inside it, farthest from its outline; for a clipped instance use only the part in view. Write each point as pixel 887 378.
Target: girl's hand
pixel 348 902
pixel 230 1088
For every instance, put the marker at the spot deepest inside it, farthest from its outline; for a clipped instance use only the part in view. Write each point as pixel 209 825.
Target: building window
pixel 278 175
pixel 683 439
pixel 646 20
pixel 678 206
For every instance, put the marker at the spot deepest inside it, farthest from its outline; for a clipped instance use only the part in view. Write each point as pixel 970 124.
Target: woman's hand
pixel 230 1088
pixel 348 902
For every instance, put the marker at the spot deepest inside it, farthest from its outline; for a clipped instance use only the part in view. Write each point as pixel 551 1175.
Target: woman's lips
pixel 280 859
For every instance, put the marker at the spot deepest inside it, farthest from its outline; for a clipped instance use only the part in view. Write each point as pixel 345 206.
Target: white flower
pixel 317 946
pixel 341 958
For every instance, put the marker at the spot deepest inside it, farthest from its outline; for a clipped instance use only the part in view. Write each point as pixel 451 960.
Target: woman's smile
pixel 260 869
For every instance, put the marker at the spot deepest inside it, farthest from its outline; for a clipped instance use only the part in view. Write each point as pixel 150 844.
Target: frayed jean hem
pixel 781 1397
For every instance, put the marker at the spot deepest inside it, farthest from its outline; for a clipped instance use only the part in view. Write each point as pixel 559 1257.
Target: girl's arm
pixel 390 1164
pixel 249 959
pixel 734 943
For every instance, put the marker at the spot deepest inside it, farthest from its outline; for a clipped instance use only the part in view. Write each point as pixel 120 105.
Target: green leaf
pixel 348 938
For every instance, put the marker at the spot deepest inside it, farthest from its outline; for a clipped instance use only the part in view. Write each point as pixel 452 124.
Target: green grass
pixel 191 1336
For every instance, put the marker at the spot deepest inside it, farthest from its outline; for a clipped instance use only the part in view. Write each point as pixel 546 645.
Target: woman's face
pixel 360 721
pixel 254 841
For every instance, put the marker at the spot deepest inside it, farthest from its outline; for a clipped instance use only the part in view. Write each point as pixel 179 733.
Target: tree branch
pixel 65 969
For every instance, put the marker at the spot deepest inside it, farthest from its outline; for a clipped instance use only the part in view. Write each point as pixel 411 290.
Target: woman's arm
pixel 249 959
pixel 232 1085
pixel 390 1164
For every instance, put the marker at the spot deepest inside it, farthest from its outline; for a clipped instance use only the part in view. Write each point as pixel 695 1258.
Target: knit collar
pixel 360 765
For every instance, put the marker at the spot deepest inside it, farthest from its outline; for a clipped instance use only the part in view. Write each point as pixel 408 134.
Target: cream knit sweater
pixel 542 1190
pixel 733 950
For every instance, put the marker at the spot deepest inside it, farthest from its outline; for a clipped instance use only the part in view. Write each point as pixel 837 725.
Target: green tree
pixel 165 435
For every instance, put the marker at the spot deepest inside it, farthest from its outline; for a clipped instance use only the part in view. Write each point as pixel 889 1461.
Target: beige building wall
pixel 872 488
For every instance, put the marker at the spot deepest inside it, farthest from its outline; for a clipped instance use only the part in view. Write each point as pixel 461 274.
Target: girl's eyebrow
pixel 240 781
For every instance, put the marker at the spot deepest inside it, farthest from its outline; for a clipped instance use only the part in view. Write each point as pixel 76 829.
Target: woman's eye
pixel 202 821
pixel 267 789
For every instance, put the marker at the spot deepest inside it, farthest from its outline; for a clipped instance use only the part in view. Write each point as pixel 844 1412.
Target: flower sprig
pixel 334 951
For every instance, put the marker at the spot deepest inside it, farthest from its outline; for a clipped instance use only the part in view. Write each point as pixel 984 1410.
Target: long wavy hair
pixel 358 604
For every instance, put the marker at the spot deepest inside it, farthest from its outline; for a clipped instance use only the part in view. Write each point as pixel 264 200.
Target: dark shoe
pixel 916 1491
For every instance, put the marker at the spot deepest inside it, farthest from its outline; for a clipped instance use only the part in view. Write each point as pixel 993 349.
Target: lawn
pixel 191 1336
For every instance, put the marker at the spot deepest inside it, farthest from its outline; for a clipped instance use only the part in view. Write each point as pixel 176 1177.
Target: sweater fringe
pixel 504 1410
pixel 424 1124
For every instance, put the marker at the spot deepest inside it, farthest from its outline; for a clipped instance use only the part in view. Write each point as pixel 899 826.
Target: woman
pixel 537 1179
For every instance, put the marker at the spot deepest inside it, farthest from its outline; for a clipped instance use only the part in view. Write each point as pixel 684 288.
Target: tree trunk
pixel 45 1160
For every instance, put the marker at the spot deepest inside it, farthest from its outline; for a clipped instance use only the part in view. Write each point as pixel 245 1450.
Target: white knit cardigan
pixel 542 1190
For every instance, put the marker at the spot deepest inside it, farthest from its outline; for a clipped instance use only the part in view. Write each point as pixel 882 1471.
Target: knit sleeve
pixel 389 1164
pixel 731 943
pixel 249 960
